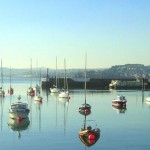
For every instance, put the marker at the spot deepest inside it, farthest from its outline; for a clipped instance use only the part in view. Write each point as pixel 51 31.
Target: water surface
pixel 55 123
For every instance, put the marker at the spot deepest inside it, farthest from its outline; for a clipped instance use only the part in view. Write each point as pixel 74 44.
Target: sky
pixel 111 32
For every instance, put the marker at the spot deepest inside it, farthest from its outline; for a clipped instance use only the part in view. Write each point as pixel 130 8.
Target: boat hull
pixel 64 95
pixel 54 90
pixel 148 99
pixel 118 104
pixel 16 114
pixel 89 137
pixel 38 98
pixel 85 109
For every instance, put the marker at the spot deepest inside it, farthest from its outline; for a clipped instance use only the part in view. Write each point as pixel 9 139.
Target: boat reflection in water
pixel 18 126
pixel 120 109
pixel 88 135
pixel 65 102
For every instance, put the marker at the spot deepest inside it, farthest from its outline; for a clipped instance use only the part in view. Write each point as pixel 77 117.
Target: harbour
pixel 55 123
pixel 97 83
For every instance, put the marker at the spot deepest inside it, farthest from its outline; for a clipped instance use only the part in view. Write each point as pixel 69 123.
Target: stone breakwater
pixel 92 83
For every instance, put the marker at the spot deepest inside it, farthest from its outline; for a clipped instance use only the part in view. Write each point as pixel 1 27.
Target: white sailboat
pixel 54 89
pixel 2 92
pixel 85 108
pixel 30 90
pixel 64 92
pixel 38 98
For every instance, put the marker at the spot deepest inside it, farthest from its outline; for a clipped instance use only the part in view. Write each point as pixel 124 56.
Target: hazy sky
pixel 112 32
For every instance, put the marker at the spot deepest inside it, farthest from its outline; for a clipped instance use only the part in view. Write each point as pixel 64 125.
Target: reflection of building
pixel 18 126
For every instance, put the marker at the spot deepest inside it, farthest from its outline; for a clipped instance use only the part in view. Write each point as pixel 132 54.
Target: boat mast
pixel 56 71
pixel 10 77
pixel 65 74
pixel 85 77
pixel 31 71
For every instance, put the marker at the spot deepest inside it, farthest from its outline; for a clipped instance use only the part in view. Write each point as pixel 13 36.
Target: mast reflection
pixel 65 102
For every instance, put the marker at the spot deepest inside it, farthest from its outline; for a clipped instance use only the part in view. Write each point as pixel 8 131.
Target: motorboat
pixel 120 101
pixel 19 110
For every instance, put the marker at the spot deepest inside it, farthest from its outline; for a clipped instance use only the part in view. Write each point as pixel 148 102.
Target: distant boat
pixel 2 92
pixel 88 135
pixel 37 87
pixel 11 90
pixel 19 110
pixel 85 108
pixel 120 101
pixel 54 89
pixel 30 90
pixel 64 93
pixel 38 98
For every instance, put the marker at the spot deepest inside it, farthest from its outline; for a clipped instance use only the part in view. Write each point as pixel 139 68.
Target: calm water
pixel 55 124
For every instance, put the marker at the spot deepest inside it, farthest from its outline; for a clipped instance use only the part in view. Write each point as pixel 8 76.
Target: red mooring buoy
pixel 91 137
pixel 86 111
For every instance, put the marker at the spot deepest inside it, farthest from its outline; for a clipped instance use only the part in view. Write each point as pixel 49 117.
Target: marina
pixel 55 123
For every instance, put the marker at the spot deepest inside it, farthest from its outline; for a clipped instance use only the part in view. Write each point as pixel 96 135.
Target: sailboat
pixel 2 92
pixel 85 108
pixel 64 92
pixel 30 90
pixel 11 90
pixel 54 89
pixel 88 135
pixel 38 98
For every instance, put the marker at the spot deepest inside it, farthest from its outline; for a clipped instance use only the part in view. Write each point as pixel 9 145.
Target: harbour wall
pixel 93 84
